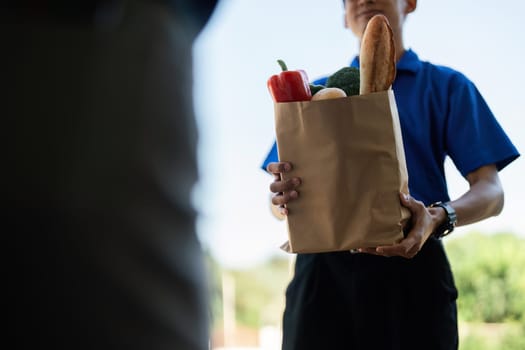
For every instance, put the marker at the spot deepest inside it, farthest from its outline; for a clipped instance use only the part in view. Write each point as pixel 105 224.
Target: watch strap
pixel 449 224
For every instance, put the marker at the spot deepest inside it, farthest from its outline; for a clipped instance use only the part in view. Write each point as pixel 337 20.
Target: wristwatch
pixel 448 226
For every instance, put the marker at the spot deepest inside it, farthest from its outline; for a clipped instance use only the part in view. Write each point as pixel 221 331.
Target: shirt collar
pixel 409 62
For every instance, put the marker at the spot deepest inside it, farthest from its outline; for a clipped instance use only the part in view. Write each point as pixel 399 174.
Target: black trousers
pixel 359 301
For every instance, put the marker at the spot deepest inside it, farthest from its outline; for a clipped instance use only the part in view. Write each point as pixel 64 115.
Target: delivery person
pixel 402 296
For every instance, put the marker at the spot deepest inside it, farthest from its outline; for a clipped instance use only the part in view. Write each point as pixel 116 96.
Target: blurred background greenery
pixel 489 274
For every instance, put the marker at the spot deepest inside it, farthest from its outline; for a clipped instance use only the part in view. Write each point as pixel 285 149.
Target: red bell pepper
pixel 289 86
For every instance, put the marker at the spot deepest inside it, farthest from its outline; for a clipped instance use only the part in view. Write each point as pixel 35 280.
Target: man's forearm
pixel 483 199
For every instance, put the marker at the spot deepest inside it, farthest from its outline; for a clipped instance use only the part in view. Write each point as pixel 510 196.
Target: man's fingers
pixel 407 249
pixel 406 200
pixel 410 202
pixel 279 167
pixel 284 198
pixel 390 251
pixel 396 250
pixel 286 185
pixel 372 251
pixel 284 190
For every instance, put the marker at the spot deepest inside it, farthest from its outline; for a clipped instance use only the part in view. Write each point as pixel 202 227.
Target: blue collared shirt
pixel 442 114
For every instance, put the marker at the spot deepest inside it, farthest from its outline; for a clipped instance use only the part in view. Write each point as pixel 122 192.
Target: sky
pixel 235 55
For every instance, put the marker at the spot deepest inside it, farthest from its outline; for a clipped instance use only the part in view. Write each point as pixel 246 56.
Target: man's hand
pixel 423 222
pixel 283 191
pixel 483 199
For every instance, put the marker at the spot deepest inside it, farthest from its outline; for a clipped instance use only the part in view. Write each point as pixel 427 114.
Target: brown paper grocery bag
pixel 349 154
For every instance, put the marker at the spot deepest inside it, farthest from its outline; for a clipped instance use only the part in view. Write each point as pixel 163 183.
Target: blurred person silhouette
pixel 101 161
pixel 401 296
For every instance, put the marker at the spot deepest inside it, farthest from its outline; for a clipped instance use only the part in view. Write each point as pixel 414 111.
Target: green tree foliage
pixel 489 274
pixel 514 340
pixel 491 336
pixel 214 271
pixel 259 292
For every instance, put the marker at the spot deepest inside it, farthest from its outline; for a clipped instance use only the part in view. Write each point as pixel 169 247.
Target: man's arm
pixel 483 199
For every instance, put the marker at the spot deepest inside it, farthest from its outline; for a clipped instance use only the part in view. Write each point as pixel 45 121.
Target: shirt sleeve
pixel 474 137
pixel 271 157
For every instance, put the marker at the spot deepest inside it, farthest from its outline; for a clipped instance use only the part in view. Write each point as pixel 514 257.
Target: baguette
pixel 377 56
